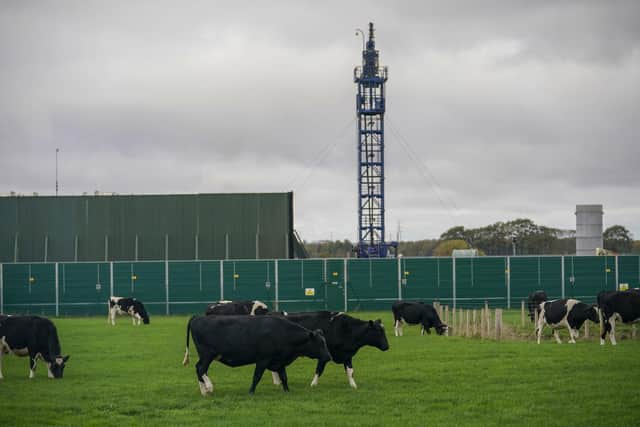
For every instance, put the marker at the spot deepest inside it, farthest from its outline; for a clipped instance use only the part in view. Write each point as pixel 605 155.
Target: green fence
pixel 177 287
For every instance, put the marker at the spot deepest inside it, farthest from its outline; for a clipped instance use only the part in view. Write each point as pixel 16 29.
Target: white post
pixel 106 247
pixel 166 283
pixel 508 282
pixel 166 247
pixel 136 249
pixel 275 273
pixel 1 291
pixel 111 279
pixel 562 273
pixel 226 246
pixel 617 278
pixel 257 246
pixel 46 248
pixel 399 279
pixel 345 285
pixel 196 251
pixel 453 263
pixel 57 293
pixel 221 281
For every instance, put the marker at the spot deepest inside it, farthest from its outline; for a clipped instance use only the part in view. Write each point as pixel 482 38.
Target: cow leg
pixel 112 316
pixel 283 377
pixel 319 370
pixel 202 367
pixel 396 327
pixel 555 334
pixel 32 365
pixel 257 375
pixel 133 317
pixel 1 352
pixel 539 327
pixel 348 368
pixel 572 333
pixel 276 378
pixel 612 333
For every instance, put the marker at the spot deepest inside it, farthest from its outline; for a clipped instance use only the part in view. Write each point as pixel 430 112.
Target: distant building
pixel 588 229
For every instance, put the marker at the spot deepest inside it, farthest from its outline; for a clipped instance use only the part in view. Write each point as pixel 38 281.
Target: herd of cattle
pixel 238 333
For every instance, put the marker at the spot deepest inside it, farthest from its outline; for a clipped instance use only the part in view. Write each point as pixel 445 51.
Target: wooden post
pixel 467 330
pixel 586 329
pixel 446 317
pixel 488 323
pixel 475 324
pixel 633 331
pixel 461 322
pixel 535 319
pixel 483 319
pixel 453 321
pixel 498 323
pixel 522 316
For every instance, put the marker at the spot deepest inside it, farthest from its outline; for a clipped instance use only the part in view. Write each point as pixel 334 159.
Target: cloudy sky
pixel 495 110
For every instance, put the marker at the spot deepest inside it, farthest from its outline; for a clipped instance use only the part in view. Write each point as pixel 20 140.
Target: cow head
pixel 57 366
pixel 375 335
pixel 593 314
pixel 317 346
pixel 441 329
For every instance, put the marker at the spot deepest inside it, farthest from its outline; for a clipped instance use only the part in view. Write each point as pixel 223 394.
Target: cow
pixel 251 308
pixel 271 342
pixel 415 313
pixel 345 335
pixel 561 313
pixel 32 336
pixel 623 305
pixel 130 306
pixel 533 302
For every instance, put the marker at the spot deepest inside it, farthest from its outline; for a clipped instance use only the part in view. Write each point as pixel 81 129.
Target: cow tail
pixel 185 361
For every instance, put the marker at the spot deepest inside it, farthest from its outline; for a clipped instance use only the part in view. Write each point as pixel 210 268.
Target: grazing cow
pixel 345 335
pixel 130 306
pixel 561 313
pixel 34 336
pixel 533 302
pixel 271 342
pixel 624 306
pixel 251 308
pixel 415 313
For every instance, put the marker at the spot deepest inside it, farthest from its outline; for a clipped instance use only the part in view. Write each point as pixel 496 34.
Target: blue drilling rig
pixel 370 79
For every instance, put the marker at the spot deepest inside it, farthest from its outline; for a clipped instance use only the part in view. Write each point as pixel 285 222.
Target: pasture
pixel 126 375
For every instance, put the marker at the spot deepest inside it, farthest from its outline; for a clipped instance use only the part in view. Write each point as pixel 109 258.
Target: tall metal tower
pixel 370 107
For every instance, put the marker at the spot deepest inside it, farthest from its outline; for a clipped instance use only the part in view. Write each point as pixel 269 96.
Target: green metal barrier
pixel 177 287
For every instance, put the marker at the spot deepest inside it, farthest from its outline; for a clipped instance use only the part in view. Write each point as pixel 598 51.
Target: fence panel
pixel 373 284
pixel 250 280
pixel 193 285
pixel 427 279
pixel 142 280
pixel 334 284
pixel 301 285
pixel 529 274
pixel 586 276
pixel 629 270
pixel 84 288
pixel 29 289
pixel 480 279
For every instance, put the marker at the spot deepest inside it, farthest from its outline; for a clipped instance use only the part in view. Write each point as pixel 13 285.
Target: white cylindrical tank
pixel 588 229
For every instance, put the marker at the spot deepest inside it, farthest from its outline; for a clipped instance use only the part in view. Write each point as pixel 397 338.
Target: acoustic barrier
pixel 179 287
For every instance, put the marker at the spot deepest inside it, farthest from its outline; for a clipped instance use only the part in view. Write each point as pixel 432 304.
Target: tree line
pixel 520 236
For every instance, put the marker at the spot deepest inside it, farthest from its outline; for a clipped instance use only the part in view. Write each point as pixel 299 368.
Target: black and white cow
pixel 35 337
pixel 533 302
pixel 415 313
pixel 565 313
pixel 345 335
pixel 251 308
pixel 130 306
pixel 271 342
pixel 624 306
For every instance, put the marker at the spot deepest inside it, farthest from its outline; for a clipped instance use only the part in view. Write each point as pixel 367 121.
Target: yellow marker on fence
pixel 32 279
pixel 236 276
pixel 309 292
pixel 134 277
pixel 335 274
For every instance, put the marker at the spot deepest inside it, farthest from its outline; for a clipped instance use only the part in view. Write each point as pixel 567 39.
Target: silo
pixel 588 229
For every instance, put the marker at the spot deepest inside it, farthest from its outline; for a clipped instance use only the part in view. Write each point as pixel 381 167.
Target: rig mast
pixel 370 79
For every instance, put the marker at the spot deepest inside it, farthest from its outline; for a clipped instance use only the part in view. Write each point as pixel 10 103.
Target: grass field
pixel 128 375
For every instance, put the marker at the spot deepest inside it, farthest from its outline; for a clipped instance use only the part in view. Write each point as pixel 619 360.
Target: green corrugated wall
pixel 180 286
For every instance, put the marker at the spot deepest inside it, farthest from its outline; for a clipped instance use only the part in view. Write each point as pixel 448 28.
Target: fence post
pixel 498 323
pixel 446 317
pixel 453 321
pixel 467 330
pixel 221 280
pixel 166 283
pixel 586 329
pixel 275 274
pixel 453 263
pixel 57 293
pixel 399 279
pixel 110 279
pixel 522 312
pixel 616 267
pixel 509 282
pixel 562 279
pixel 1 290
pixel 345 285
pixel 483 317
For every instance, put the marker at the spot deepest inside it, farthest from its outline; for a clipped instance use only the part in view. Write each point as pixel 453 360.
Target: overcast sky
pixel 495 110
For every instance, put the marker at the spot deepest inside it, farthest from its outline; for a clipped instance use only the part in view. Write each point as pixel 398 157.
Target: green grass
pixel 128 375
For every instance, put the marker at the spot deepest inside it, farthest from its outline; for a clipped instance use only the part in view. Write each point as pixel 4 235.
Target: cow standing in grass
pixel 32 336
pixel 271 342
pixel 533 303
pixel 565 313
pixel 130 306
pixel 345 335
pixel 415 313
pixel 623 306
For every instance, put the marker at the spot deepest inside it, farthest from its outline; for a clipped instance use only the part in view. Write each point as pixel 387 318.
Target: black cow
pixel 415 313
pixel 624 306
pixel 345 335
pixel 533 302
pixel 251 308
pixel 561 313
pixel 271 342
pixel 130 306
pixel 34 336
